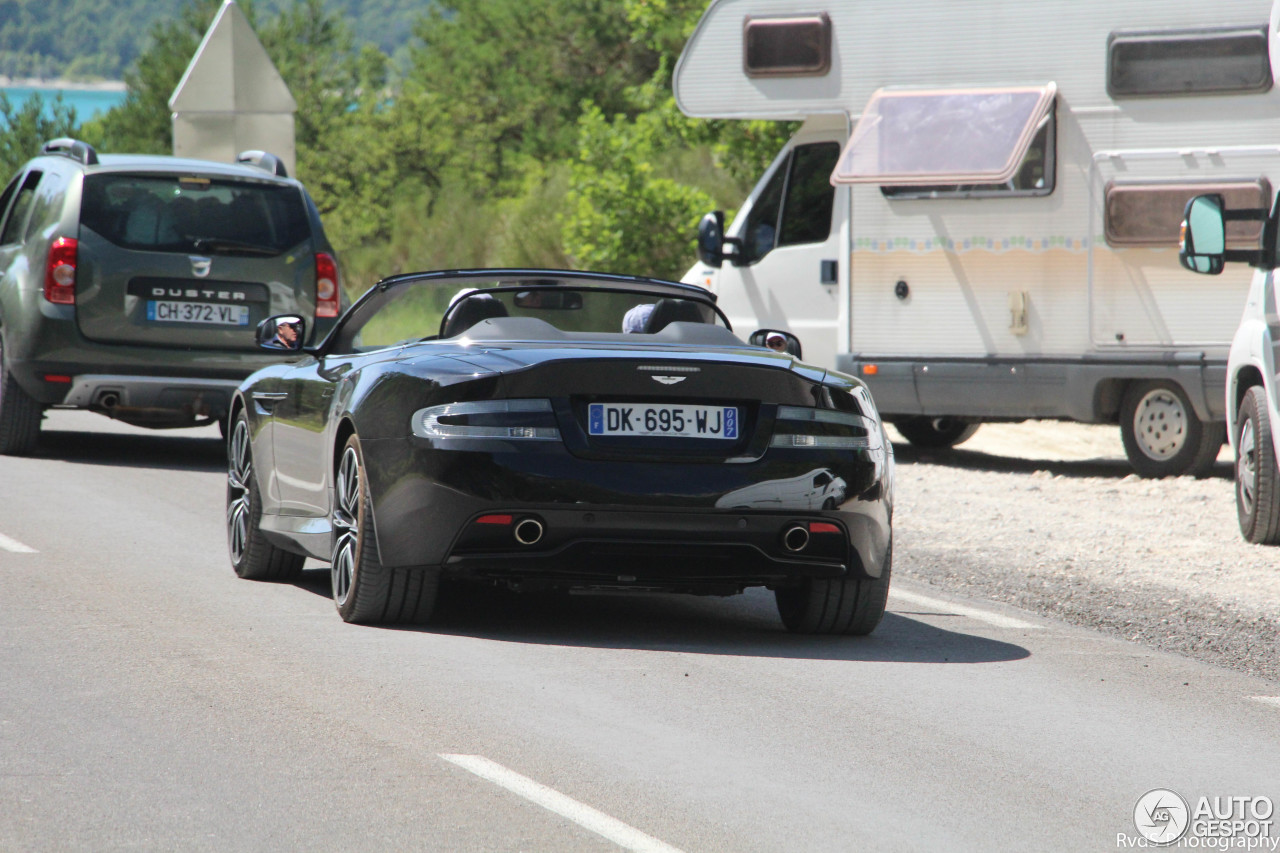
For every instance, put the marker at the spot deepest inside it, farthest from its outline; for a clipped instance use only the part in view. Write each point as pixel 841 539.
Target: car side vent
pixel 264 160
pixel 65 146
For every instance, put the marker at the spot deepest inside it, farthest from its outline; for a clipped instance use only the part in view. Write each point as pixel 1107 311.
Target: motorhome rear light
pixel 327 301
pixel 870 369
pixel 60 272
pixel 823 527
pixel 494 519
pixel 57 377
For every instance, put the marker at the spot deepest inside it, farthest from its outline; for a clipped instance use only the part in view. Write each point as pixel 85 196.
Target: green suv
pixel 132 285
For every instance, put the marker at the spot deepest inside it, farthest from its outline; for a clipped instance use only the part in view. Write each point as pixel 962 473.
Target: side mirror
pixel 282 333
pixel 777 341
pixel 711 239
pixel 1202 246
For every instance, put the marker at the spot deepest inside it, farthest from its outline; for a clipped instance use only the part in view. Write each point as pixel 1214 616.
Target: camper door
pixel 788 263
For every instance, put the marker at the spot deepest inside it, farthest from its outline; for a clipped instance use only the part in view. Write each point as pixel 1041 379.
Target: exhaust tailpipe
pixel 528 531
pixel 109 400
pixel 796 538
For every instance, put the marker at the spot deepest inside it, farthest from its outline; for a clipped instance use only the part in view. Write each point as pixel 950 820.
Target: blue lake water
pixel 87 102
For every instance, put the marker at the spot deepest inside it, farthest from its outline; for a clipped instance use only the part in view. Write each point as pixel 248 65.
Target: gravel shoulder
pixel 1048 516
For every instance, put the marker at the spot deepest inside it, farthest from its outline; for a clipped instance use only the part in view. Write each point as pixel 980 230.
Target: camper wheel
pixel 928 431
pixel 1161 433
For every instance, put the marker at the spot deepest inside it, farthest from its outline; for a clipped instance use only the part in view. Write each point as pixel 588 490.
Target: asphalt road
pixel 151 700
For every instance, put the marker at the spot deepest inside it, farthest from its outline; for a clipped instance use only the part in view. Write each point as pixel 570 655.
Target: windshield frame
pixel 380 295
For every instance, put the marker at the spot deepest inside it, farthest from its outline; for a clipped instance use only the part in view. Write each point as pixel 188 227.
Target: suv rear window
pixel 194 214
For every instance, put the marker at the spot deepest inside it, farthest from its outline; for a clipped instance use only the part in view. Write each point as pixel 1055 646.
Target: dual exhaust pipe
pixel 528 531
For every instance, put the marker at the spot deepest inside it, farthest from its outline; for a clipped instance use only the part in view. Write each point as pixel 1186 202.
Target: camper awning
pixel 943 136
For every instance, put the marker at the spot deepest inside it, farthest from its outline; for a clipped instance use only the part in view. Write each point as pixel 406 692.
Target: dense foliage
pixel 507 132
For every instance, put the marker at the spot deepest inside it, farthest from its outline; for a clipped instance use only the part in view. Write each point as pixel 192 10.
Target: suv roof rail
pixel 73 148
pixel 264 160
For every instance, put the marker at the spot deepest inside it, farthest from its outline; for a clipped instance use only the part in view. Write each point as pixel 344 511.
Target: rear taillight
pixel 60 272
pixel 326 285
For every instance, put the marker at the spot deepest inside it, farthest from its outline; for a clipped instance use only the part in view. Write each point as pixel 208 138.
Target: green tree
pixel 27 127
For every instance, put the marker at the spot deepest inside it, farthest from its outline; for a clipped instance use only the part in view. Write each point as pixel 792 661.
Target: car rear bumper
pixel 623 524
pixel 152 400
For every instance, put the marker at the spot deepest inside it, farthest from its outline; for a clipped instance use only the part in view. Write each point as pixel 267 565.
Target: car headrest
pixel 471 310
pixel 672 311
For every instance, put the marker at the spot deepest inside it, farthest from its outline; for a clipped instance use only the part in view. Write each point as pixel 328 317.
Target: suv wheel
pixel 20 414
pixel 1257 479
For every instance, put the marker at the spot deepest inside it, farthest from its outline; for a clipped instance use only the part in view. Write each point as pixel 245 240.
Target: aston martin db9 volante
pixel 546 429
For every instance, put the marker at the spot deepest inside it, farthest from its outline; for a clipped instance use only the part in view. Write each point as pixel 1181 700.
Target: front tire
pixel 836 606
pixel 252 556
pixel 364 590
pixel 925 431
pixel 20 414
pixel 1257 479
pixel 1162 435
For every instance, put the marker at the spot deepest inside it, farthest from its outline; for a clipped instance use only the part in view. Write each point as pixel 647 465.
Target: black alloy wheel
pixel 252 556
pixel 365 591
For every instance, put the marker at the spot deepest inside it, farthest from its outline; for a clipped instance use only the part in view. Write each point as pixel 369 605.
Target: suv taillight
pixel 60 272
pixel 326 285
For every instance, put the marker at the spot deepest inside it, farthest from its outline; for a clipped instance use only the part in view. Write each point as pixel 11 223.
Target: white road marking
pixel 598 822
pixel 1269 700
pixel 945 607
pixel 14 546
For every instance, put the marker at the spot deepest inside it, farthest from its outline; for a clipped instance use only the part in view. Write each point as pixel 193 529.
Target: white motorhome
pixel 979 213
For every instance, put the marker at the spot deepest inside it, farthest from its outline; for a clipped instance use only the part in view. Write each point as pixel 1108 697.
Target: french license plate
pixel 662 419
pixel 197 312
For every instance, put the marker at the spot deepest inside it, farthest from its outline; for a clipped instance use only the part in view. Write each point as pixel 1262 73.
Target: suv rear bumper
pixel 156 401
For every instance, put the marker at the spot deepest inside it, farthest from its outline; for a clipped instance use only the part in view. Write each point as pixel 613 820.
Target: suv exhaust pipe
pixel 529 531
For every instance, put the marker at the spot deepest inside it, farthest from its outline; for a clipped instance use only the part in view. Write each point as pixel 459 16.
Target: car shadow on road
pixel 746 625
pixel 152 450
pixel 958 457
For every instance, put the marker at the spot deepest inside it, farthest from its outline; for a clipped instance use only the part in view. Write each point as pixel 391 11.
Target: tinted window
pixel 1150 214
pixel 8 193
pixel 46 207
pixel 794 46
pixel 795 205
pixel 199 215
pixel 806 212
pixel 761 232
pixel 1188 62
pixel 13 226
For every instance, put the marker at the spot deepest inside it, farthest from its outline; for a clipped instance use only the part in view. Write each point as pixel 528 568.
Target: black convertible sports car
pixel 538 428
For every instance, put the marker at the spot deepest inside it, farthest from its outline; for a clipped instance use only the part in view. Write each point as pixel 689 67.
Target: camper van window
pixel 954 138
pixel 1150 214
pixel 791 46
pixel 1188 62
pixel 795 205
pixel 1035 175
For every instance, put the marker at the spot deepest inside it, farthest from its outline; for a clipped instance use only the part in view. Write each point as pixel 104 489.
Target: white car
pixel 1251 403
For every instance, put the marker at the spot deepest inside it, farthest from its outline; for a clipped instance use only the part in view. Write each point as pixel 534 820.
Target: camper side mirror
pixel 711 239
pixel 1203 245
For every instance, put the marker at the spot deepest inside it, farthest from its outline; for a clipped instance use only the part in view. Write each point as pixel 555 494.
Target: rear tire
pixel 252 556
pixel 925 431
pixel 1162 435
pixel 20 414
pixel 836 606
pixel 365 591
pixel 1257 479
